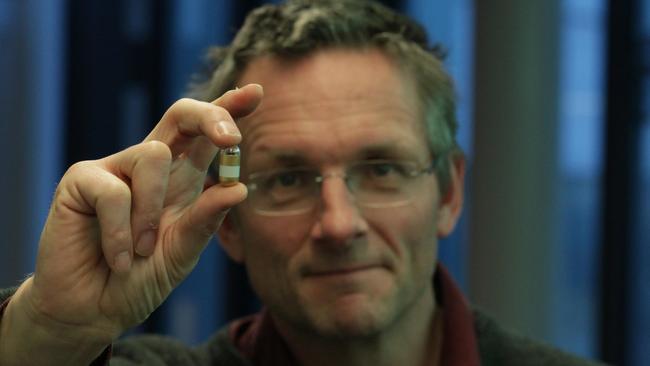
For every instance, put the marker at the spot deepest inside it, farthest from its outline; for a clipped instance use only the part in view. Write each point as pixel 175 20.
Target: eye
pixel 287 187
pixel 380 175
pixel 290 179
pixel 385 170
pixel 286 179
pixel 382 169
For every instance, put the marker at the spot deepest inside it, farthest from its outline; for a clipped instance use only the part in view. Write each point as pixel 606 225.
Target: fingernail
pixel 227 128
pixel 258 86
pixel 147 243
pixel 123 262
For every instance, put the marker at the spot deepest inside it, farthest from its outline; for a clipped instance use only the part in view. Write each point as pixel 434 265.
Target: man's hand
pixel 123 231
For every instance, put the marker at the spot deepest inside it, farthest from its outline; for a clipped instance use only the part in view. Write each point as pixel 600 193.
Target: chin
pixel 352 316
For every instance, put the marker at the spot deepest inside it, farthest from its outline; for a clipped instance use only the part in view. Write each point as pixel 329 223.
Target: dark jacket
pixel 497 347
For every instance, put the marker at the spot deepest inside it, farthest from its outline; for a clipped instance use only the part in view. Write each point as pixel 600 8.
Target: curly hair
pixel 297 28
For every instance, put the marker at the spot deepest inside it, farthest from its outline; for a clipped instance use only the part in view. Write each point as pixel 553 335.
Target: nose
pixel 340 221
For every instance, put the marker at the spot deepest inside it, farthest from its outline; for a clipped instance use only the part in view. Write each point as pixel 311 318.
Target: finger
pixel 147 166
pixel 193 129
pixel 201 153
pixel 111 198
pixel 196 128
pixel 188 119
pixel 241 102
pixel 197 225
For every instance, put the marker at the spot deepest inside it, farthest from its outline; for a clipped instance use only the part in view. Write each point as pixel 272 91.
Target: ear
pixel 451 204
pixel 230 237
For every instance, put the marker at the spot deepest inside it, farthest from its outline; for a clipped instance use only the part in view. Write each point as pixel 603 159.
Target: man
pixel 352 173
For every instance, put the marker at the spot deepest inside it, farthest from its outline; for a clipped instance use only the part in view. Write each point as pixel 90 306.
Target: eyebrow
pixel 388 150
pixel 289 158
pixel 283 158
pixel 375 151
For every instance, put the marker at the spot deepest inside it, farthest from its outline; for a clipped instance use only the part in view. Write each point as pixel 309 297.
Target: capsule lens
pixel 229 159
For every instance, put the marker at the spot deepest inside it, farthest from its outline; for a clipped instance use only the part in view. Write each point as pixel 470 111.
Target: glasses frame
pixel 319 178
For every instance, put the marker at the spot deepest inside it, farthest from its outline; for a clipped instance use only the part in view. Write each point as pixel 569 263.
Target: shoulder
pixel 163 351
pixel 152 350
pixel 499 346
pixel 220 350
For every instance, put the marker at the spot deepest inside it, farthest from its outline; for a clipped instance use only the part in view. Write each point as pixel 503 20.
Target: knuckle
pixel 156 150
pixel 116 190
pixel 182 103
pixel 81 174
pixel 121 237
pixel 218 113
pixel 177 108
pixel 79 168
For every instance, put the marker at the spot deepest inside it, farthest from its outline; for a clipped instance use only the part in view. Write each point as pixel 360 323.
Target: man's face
pixel 341 269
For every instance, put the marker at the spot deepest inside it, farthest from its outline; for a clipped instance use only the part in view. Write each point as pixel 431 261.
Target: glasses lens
pixel 373 183
pixel 381 183
pixel 284 191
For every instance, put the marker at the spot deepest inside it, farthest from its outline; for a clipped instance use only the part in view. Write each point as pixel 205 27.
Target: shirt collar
pixel 459 345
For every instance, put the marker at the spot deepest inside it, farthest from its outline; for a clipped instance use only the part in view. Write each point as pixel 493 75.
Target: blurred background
pixel 553 96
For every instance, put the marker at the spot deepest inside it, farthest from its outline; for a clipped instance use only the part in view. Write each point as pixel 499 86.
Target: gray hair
pixel 300 27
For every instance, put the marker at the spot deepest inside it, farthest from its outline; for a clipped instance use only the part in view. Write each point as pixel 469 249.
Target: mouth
pixel 343 271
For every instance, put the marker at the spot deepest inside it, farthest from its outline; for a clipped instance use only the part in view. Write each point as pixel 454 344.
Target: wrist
pixel 28 338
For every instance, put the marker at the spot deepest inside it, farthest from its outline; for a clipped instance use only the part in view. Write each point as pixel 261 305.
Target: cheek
pixel 422 223
pixel 276 236
pixel 410 232
pixel 270 247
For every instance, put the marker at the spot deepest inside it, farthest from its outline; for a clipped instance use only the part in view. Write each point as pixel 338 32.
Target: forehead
pixel 333 104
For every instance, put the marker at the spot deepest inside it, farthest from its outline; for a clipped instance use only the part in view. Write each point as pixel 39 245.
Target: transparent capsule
pixel 229 159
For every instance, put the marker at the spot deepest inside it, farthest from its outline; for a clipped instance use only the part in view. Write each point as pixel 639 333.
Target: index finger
pixel 188 119
pixel 242 101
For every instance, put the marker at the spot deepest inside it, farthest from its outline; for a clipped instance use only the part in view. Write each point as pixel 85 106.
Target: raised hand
pixel 124 230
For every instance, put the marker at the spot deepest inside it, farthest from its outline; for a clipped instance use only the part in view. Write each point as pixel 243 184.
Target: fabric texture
pixel 468 336
pixel 497 347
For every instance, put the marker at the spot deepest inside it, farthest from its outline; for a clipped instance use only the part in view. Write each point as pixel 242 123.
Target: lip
pixel 330 272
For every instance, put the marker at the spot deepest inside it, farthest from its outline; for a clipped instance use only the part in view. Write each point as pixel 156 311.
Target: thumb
pixel 195 227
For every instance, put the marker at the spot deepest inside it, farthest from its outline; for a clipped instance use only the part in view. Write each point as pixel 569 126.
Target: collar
pixel 459 345
pixel 257 338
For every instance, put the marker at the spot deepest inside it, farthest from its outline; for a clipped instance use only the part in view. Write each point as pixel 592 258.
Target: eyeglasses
pixel 294 191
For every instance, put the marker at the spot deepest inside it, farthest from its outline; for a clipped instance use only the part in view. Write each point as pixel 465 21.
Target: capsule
pixel 229 159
